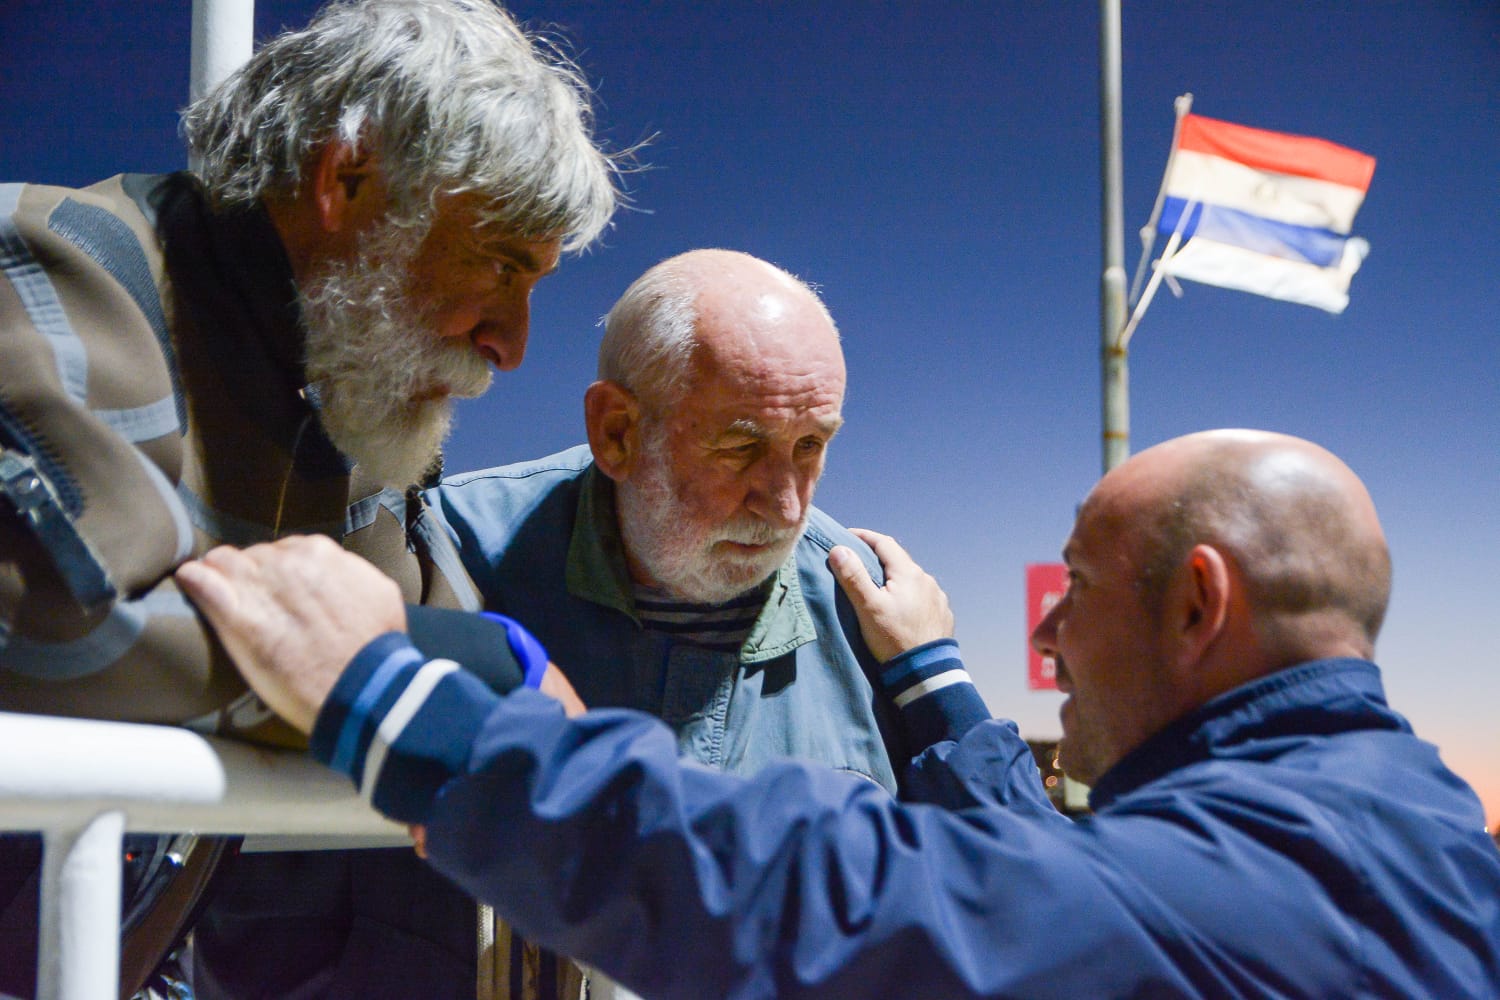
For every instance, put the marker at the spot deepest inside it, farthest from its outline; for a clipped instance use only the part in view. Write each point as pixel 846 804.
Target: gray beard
pixel 371 350
pixel 676 550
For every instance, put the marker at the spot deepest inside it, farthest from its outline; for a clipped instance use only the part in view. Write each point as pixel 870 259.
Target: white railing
pixel 82 784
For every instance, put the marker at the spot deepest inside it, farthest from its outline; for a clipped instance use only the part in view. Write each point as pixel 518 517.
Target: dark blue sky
pixel 933 167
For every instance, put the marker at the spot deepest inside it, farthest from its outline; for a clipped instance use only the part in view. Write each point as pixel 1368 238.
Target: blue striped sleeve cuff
pixel 936 696
pixel 400 726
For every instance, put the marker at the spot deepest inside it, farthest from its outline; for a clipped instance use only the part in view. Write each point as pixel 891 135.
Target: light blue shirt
pixel 542 543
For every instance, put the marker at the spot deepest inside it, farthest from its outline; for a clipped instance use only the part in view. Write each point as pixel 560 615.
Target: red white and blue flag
pixel 1267 212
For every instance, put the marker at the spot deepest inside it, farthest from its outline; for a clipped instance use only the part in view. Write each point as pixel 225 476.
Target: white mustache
pixel 757 533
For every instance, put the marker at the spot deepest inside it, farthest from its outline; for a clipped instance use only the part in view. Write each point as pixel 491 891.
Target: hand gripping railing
pixel 84 783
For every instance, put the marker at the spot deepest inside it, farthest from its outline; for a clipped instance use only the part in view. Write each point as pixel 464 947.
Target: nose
pixel 501 335
pixel 1044 636
pixel 778 497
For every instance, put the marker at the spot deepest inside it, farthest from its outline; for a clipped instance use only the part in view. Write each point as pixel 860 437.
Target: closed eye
pixel 741 454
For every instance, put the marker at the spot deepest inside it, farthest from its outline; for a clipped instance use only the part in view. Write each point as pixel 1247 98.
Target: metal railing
pixel 83 784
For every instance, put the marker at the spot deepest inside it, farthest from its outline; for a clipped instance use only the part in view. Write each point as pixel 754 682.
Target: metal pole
pixel 78 951
pixel 83 782
pixel 1113 362
pixel 223 38
pixel 1114 370
pixel 223 35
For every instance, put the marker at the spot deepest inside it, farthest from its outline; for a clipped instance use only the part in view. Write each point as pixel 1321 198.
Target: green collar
pixel 597 572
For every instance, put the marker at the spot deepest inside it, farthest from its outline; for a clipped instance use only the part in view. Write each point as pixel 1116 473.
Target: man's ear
pixel 348 189
pixel 613 418
pixel 1198 603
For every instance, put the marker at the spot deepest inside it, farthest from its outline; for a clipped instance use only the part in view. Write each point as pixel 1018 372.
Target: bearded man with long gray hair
pixel 268 345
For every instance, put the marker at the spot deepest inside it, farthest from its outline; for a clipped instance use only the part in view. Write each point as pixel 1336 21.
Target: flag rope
pixel 1157 274
pixel 1182 105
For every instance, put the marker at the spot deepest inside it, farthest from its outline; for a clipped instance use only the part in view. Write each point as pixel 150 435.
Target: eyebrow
pixel 744 427
pixel 528 260
pixel 750 428
pixel 502 246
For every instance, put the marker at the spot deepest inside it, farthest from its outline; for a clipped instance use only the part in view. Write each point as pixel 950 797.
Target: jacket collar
pixel 242 249
pixel 597 571
pixel 1320 697
pixel 232 275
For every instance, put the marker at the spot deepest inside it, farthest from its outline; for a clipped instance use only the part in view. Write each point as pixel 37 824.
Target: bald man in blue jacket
pixel 1263 824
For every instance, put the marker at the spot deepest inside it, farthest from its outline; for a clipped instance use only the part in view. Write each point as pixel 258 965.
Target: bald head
pixel 1199 566
pixel 1296 523
pixel 703 308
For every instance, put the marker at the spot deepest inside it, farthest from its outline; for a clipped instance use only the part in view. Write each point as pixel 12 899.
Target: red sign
pixel 1045 585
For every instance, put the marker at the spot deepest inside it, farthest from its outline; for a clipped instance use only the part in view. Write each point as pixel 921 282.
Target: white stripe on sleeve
pixel 935 683
pixel 395 720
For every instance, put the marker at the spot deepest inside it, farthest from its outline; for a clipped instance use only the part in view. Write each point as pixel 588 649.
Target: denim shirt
pixel 541 541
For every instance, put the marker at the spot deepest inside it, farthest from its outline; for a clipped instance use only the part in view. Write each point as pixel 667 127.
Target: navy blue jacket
pixel 1292 838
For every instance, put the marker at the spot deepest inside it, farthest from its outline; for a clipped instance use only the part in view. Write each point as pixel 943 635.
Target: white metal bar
pixel 1181 106
pixel 223 37
pixel 1114 366
pixel 83 783
pixel 78 928
pixel 1156 278
pixel 57 773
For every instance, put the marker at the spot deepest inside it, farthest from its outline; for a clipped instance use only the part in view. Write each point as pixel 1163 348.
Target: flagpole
pixel 1114 366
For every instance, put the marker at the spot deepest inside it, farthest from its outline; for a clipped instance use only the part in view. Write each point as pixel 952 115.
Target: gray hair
pixel 452 96
pixel 650 335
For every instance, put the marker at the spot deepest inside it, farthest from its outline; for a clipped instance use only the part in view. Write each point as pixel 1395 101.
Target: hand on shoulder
pixel 911 609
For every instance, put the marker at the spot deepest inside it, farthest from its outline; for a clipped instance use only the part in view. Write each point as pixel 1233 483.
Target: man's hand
pixel 909 610
pixel 292 614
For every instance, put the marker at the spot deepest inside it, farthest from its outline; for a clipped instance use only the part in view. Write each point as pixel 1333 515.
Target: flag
pixel 1268 212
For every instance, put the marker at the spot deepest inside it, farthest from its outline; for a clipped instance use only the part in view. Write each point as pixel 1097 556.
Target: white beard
pixel 676 549
pixel 371 351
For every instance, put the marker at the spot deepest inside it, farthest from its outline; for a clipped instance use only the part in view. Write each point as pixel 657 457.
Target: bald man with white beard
pixel 676 564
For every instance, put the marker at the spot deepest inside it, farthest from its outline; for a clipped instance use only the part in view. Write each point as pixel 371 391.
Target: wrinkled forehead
pixel 768 377
pixel 769 395
pixel 767 337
